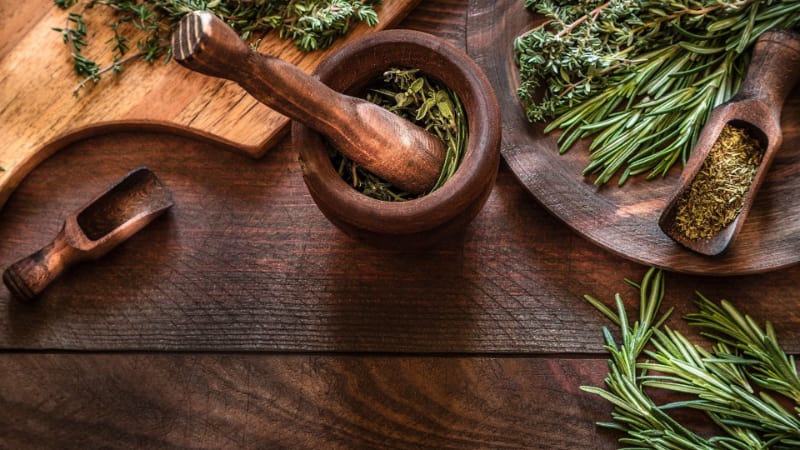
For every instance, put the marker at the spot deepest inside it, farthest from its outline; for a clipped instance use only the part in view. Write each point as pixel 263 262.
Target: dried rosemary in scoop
pixel 717 193
pixel 428 104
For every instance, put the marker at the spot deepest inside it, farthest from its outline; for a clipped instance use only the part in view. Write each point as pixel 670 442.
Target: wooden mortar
pixel 427 219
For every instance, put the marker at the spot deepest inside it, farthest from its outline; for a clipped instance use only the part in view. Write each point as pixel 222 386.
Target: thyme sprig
pixel 638 76
pixel 425 102
pixel 734 383
pixel 148 24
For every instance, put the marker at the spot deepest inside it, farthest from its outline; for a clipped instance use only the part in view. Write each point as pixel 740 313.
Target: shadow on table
pixel 402 301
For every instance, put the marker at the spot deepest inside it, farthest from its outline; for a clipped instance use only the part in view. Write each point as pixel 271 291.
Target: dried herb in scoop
pixel 716 195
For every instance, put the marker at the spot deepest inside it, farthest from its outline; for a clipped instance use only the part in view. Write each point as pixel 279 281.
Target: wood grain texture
pixel 17 18
pixel 40 115
pixel 302 402
pixel 446 19
pixel 625 220
pixel 245 261
pixel 91 232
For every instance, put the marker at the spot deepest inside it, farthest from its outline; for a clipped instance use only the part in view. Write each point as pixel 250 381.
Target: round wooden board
pixel 624 220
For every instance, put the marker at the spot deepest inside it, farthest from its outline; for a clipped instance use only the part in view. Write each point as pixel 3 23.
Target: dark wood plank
pixel 245 261
pixel 305 401
pixel 625 220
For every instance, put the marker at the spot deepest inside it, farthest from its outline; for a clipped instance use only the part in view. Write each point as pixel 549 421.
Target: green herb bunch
pixel 737 382
pixel 640 76
pixel 310 24
pixel 428 104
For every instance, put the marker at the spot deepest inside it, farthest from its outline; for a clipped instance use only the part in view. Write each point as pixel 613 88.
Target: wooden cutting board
pixel 624 220
pixel 39 114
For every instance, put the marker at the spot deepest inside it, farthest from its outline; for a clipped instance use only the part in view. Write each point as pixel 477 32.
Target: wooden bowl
pixel 428 219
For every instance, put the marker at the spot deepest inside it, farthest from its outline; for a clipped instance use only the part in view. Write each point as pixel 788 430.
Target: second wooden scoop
pixel 756 108
pixel 381 142
pixel 91 232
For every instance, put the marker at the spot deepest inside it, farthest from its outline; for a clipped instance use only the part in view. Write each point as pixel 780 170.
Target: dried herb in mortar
pixel 142 28
pixel 716 195
pixel 428 104
pixel 737 383
pixel 639 77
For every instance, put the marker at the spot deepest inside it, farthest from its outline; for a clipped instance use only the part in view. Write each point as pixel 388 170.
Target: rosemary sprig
pixel 638 76
pixel 772 369
pixel 432 106
pixel 310 24
pixel 732 383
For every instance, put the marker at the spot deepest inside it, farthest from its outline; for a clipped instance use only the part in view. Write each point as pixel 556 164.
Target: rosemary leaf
pixel 733 382
pixel 595 65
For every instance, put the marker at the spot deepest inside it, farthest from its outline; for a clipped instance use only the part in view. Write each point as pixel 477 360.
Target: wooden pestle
pixel 773 72
pixel 380 141
pixel 91 232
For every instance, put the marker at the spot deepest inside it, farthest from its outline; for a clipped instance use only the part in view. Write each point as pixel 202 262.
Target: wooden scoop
pixel 91 232
pixel 383 143
pixel 756 108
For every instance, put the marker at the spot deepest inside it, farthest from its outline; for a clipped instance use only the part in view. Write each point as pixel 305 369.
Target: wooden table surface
pixel 243 318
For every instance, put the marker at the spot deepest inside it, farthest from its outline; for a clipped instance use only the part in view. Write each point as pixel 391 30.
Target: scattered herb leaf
pixel 310 24
pixel 734 382
pixel 425 102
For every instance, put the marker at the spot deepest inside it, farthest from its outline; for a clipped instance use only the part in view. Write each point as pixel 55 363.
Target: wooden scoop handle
pixel 91 232
pixel 28 277
pixel 773 72
pixel 383 143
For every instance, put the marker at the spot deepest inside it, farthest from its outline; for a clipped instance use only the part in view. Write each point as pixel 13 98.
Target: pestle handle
pixel 773 70
pixel 29 276
pixel 383 143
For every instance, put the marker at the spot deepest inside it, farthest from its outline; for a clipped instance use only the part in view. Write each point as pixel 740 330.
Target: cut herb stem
pixel 733 383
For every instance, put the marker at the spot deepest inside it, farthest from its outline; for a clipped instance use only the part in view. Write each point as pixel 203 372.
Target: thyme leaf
pixel 310 24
